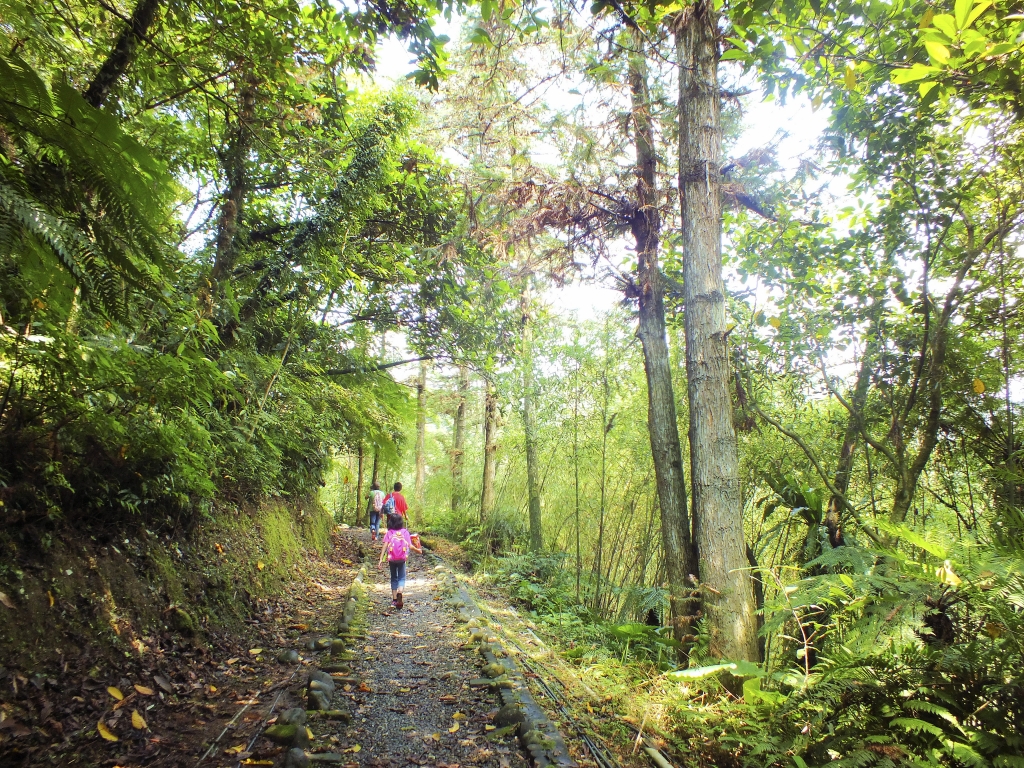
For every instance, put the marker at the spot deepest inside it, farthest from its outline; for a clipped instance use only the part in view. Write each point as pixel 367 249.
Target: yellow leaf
pixel 937 51
pixel 946 575
pixel 229 662
pixel 144 690
pixel 926 20
pixel 458 716
pixel 353 748
pixel 346 561
pixel 260 565
pixel 310 734
pixel 105 732
pixel 138 723
pixel 978 386
pixel 115 692
pixel 255 651
pixel 850 79
pixel 774 322
pixel 404 690
pixel 49 594
pixel 235 750
pixel 454 728
pixel 490 727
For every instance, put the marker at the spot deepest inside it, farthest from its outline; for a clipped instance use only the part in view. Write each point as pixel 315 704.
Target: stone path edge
pixel 290 729
pixel 538 735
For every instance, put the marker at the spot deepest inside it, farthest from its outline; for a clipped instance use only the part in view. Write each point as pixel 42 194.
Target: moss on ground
pixel 87 591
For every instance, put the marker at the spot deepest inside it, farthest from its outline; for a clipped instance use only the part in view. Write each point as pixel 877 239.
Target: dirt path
pixel 419 708
pixel 206 702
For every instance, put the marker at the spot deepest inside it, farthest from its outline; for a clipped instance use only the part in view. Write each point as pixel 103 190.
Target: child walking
pixel 396 545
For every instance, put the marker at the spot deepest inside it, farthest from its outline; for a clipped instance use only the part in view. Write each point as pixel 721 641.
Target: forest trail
pixel 402 694
pixel 419 709
pixel 406 687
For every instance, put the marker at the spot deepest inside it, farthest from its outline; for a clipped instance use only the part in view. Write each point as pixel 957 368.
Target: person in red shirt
pixel 401 505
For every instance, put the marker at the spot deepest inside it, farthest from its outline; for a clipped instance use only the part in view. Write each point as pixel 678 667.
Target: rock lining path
pixel 419 708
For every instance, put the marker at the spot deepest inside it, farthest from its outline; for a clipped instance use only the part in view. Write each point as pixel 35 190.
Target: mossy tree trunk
pixel 714 461
pixel 680 559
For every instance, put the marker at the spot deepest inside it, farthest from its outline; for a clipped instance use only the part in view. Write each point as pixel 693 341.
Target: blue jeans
pixel 397 575
pixel 374 522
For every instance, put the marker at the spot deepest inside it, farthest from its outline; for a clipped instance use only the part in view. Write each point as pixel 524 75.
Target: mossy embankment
pixel 86 593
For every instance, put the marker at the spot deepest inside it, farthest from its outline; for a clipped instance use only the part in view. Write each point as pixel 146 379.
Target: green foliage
pixel 76 193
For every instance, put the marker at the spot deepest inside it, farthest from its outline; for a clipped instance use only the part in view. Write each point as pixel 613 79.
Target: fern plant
pixel 77 195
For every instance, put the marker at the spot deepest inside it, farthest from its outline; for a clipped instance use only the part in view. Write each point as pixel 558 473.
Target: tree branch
pixel 372 368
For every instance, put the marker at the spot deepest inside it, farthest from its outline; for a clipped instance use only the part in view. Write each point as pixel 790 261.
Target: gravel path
pixel 413 704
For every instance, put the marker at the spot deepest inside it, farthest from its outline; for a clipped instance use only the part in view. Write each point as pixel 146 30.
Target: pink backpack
pixel 398 549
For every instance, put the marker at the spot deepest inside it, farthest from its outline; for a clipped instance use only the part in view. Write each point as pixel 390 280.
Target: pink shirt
pixel 390 536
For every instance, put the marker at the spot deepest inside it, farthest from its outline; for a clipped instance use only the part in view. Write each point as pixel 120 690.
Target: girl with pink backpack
pixel 397 544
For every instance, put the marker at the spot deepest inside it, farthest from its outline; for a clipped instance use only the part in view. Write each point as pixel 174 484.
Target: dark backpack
pixel 389 506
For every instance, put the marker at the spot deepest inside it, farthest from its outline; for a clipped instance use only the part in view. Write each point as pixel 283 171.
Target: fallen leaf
pixel 247 761
pixel 364 688
pixel 229 662
pixel 346 688
pixel 404 690
pixel 163 683
pixel 6 601
pixel 419 634
pixel 300 627
pixel 144 690
pixel 454 728
pixel 447 697
pixel 255 651
pixel 353 748
pixel 49 594
pixel 490 727
pixel 434 736
pixel 219 548
pixel 105 732
pixel 346 561
pixel 260 565
pixel 419 647
pixel 235 750
pixel 138 723
pixel 115 692
pixel 309 733
pixel 458 716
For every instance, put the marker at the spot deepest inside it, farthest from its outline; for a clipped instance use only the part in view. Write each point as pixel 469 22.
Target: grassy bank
pixel 113 593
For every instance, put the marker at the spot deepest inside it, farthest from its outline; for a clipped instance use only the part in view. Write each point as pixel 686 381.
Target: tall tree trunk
pixel 233 161
pixel 375 472
pixel 606 427
pixel 714 461
pixel 459 447
pixel 421 432
pixel 123 53
pixel 490 451
pixel 576 468
pixel 359 485
pixel 530 425
pixel 680 557
pixel 844 467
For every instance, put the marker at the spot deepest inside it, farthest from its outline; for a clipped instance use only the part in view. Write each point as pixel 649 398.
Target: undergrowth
pixel 911 659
